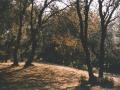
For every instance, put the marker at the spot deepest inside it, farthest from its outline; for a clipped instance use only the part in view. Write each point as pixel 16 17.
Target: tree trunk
pixel 84 35
pixel 102 52
pixel 85 39
pixel 32 53
pixel 88 60
pixel 17 43
pixel 15 52
pixel 33 40
pixel 91 76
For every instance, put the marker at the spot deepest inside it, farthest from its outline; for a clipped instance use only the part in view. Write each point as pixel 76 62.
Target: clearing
pixel 45 77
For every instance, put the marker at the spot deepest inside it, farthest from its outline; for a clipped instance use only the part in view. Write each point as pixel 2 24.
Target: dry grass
pixel 44 76
pixel 41 77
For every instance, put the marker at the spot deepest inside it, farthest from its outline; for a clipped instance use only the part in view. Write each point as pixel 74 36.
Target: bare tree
pixel 83 23
pixel 106 11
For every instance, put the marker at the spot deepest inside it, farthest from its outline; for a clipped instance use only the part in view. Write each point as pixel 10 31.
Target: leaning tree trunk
pixel 88 60
pixel 86 48
pixel 84 35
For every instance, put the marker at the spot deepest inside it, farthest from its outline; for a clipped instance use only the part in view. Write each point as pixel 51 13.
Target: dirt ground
pixel 44 77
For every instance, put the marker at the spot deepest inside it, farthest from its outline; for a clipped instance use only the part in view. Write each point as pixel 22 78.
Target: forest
pixel 60 45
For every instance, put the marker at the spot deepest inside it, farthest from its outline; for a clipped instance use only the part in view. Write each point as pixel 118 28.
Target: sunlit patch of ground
pixel 41 77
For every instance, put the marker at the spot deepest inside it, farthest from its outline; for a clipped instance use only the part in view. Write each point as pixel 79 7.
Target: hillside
pixel 42 77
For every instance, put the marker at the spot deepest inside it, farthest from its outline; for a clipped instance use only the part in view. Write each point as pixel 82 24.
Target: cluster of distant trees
pixel 73 34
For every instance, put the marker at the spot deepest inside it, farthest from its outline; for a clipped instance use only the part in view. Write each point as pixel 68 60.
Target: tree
pixel 22 8
pixel 34 31
pixel 105 13
pixel 5 16
pixel 83 23
pixel 33 37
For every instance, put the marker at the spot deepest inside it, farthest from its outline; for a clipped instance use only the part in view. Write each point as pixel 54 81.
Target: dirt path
pixel 41 77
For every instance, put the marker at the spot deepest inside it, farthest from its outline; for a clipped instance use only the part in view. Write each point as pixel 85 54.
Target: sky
pixel 60 4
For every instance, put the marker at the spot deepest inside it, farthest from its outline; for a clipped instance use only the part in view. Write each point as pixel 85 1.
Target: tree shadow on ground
pixel 96 86
pixel 10 69
pixel 42 77
pixel 27 81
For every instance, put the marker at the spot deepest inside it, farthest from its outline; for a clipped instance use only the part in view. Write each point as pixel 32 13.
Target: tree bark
pixel 88 60
pixel 84 36
pixel 105 19
pixel 33 39
pixel 17 43
pixel 35 31
pixel 102 51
